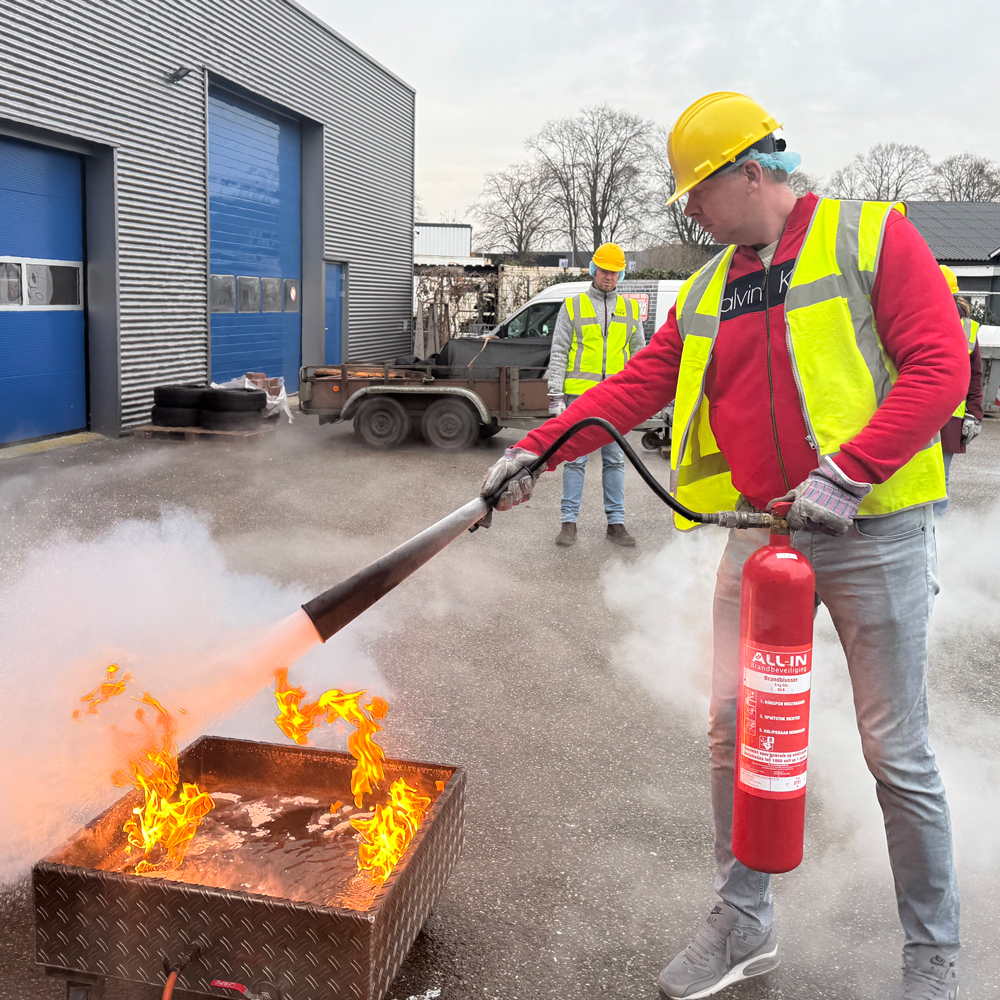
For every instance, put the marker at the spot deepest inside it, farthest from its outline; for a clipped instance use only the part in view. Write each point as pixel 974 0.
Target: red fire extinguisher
pixel 772 733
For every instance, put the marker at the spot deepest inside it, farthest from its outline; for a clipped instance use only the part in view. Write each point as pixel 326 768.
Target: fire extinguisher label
pixel 774 720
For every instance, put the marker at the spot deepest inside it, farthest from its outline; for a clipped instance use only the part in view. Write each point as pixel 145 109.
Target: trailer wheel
pixel 381 422
pixel 450 424
pixel 652 441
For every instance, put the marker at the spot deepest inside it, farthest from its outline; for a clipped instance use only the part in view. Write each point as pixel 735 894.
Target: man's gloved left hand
pixel 557 405
pixel 970 429
pixel 513 461
pixel 826 502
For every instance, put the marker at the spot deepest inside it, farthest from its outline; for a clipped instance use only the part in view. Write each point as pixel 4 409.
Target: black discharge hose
pixel 725 518
pixel 336 607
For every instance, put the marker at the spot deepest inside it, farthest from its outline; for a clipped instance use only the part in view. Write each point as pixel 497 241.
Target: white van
pixel 537 317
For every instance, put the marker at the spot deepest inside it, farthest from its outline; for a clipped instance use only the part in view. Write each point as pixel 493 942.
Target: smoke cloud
pixel 667 596
pixel 158 598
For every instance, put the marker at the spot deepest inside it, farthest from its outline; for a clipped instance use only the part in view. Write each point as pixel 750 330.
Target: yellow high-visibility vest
pixel 840 367
pixel 592 357
pixel 971 328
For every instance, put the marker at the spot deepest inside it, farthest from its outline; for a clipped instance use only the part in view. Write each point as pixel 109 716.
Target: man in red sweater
pixel 825 343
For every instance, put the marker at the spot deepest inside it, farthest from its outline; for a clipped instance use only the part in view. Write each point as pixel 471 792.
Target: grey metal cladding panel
pixel 118 96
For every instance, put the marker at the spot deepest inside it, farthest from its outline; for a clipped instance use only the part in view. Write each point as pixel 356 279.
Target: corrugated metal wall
pixel 96 70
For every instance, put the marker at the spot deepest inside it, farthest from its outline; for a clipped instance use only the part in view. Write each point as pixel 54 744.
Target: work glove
pixel 557 404
pixel 970 429
pixel 514 459
pixel 826 502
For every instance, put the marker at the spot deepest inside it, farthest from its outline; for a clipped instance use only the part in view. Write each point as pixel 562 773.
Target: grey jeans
pixel 878 582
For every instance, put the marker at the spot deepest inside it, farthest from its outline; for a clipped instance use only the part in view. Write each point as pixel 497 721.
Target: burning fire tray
pixel 302 918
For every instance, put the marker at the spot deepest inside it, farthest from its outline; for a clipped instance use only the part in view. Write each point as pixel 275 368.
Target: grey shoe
pixel 618 535
pixel 929 975
pixel 567 533
pixel 720 954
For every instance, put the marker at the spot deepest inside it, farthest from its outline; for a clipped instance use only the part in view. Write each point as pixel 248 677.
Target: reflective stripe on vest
pixel 591 355
pixel 841 370
pixel 971 328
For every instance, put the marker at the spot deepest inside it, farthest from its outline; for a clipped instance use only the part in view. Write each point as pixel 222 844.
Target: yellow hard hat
pixel 949 276
pixel 710 134
pixel 609 257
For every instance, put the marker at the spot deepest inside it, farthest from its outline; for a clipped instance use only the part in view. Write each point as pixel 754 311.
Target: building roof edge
pixel 316 19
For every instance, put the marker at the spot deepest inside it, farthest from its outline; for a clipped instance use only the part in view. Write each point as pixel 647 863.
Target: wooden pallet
pixel 152 432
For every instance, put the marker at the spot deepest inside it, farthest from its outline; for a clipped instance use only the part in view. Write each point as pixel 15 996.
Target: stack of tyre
pixel 212 409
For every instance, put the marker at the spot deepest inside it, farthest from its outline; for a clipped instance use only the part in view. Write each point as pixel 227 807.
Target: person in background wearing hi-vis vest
pixel 813 360
pixel 596 334
pixel 965 423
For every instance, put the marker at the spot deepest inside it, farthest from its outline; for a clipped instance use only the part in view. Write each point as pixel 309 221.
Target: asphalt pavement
pixel 547 674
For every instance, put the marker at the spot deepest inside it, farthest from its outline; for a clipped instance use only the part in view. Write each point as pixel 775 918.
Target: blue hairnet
pixel 783 160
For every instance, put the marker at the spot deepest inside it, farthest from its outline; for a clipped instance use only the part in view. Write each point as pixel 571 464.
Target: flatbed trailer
pixel 452 407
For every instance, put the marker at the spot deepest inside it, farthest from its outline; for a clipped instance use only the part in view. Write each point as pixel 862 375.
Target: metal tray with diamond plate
pixel 269 888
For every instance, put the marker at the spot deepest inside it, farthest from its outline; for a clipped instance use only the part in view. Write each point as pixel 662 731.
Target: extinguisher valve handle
pixel 742 519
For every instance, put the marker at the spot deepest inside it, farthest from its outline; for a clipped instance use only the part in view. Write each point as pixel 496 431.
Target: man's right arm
pixel 644 387
pixel 562 338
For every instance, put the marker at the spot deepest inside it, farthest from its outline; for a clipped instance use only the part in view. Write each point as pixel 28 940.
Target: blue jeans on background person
pixel 612 477
pixel 942 505
pixel 878 582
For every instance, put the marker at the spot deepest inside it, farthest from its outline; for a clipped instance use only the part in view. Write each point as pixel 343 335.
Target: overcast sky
pixel 840 74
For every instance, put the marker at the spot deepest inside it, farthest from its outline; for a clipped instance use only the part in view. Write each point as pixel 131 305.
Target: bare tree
pixel 667 223
pixel 514 209
pixel 802 183
pixel 679 258
pixel 966 177
pixel 419 209
pixel 889 171
pixel 596 162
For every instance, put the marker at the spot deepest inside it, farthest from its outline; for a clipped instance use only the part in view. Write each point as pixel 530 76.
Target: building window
pixel 249 294
pixel 293 293
pixel 53 285
pixel 270 295
pixel 10 284
pixel 222 293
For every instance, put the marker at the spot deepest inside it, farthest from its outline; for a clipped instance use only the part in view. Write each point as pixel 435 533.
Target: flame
pixel 159 822
pixel 104 691
pixel 297 718
pixel 387 834
pixel 388 830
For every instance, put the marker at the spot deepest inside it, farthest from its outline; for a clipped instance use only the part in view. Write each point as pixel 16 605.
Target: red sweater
pixel 761 430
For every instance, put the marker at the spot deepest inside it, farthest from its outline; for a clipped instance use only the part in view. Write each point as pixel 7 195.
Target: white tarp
pixel 274 403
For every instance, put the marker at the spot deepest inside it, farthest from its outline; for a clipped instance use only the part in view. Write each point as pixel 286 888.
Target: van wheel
pixel 381 422
pixel 450 424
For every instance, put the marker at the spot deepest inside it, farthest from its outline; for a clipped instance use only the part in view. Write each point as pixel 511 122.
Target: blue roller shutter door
pixel 255 208
pixel 43 381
